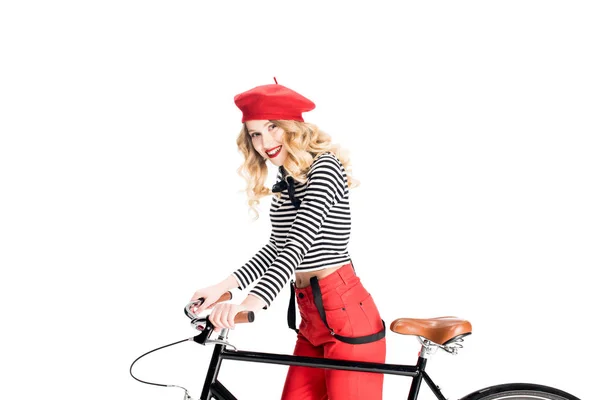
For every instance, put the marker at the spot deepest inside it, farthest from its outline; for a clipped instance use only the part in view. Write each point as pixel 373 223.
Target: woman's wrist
pixel 253 303
pixel 229 283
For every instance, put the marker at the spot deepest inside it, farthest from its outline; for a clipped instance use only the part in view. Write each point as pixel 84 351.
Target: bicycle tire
pixel 519 391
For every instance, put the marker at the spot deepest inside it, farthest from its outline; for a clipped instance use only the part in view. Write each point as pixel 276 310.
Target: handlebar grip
pixel 244 317
pixel 224 297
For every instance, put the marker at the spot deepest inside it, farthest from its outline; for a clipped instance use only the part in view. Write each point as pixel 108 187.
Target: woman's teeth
pixel 274 152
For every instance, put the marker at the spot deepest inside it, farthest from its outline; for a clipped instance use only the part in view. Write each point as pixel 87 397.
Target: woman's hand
pixel 223 314
pixel 210 294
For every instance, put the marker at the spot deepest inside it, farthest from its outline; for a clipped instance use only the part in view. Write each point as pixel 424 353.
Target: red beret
pixel 272 101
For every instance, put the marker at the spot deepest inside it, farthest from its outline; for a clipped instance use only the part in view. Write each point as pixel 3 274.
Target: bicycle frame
pixel 215 389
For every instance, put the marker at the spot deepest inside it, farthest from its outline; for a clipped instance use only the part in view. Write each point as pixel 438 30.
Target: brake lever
pixel 187 309
pixel 205 334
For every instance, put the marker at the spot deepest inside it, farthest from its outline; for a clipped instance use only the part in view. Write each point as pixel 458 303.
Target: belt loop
pixel 343 275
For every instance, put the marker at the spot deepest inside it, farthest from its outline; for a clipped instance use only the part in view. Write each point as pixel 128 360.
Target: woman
pixel 310 217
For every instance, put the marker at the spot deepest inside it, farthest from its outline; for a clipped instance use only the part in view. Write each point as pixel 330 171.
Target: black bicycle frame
pixel 213 389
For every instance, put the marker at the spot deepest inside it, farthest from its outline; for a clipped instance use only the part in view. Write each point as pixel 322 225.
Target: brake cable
pixel 186 395
pixel 201 338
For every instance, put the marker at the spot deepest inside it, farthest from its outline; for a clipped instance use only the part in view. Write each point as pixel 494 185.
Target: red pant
pixel 350 312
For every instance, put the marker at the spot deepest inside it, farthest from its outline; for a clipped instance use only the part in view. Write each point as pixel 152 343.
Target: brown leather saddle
pixel 440 330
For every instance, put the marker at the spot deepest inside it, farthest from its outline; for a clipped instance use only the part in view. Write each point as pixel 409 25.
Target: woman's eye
pixel 272 126
pixel 254 134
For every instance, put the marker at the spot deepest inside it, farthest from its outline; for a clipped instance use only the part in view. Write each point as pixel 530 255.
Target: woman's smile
pixel 274 152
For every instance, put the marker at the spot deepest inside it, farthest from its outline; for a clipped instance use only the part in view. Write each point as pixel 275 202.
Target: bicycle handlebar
pixel 241 317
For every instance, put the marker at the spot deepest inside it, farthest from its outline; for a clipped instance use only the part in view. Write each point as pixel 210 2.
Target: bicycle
pixel 446 333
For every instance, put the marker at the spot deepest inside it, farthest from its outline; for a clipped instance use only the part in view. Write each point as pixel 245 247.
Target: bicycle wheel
pixel 519 391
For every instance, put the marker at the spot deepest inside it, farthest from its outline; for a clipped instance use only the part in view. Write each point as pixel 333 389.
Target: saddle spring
pixel 430 348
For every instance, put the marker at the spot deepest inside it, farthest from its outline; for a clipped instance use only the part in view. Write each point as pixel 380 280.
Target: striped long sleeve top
pixel 312 237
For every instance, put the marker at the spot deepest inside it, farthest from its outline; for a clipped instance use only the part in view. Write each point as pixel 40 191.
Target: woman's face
pixel 267 140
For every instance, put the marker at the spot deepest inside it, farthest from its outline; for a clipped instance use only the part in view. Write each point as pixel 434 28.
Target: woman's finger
pixel 217 314
pixel 204 305
pixel 225 316
pixel 231 317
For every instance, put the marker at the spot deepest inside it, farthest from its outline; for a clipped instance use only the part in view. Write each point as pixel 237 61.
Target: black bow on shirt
pixel 288 183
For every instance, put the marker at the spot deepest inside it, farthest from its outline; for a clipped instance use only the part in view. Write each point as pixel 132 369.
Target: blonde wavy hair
pixel 303 141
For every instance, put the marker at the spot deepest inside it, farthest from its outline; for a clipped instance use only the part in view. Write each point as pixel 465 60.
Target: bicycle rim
pixel 520 391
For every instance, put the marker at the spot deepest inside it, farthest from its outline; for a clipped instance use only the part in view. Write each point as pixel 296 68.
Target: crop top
pixel 313 237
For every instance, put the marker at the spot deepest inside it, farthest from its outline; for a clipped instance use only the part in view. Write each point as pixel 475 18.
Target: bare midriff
pixel 303 278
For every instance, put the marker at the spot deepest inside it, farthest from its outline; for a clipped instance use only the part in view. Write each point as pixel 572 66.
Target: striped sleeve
pixel 257 265
pixel 325 187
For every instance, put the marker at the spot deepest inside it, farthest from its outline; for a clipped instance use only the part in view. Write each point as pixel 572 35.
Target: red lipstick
pixel 276 154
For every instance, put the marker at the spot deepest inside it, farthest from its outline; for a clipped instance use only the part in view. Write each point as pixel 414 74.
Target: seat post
pixel 426 352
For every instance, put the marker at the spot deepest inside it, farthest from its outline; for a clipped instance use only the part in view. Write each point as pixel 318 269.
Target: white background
pixel 472 125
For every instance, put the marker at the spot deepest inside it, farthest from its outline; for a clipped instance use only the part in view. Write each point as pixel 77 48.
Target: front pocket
pixel 335 313
pixel 338 321
pixel 364 317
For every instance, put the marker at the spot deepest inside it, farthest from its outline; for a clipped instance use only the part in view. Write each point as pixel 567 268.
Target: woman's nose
pixel 267 140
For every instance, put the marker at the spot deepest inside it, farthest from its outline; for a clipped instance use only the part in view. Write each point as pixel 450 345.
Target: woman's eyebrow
pixel 252 130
